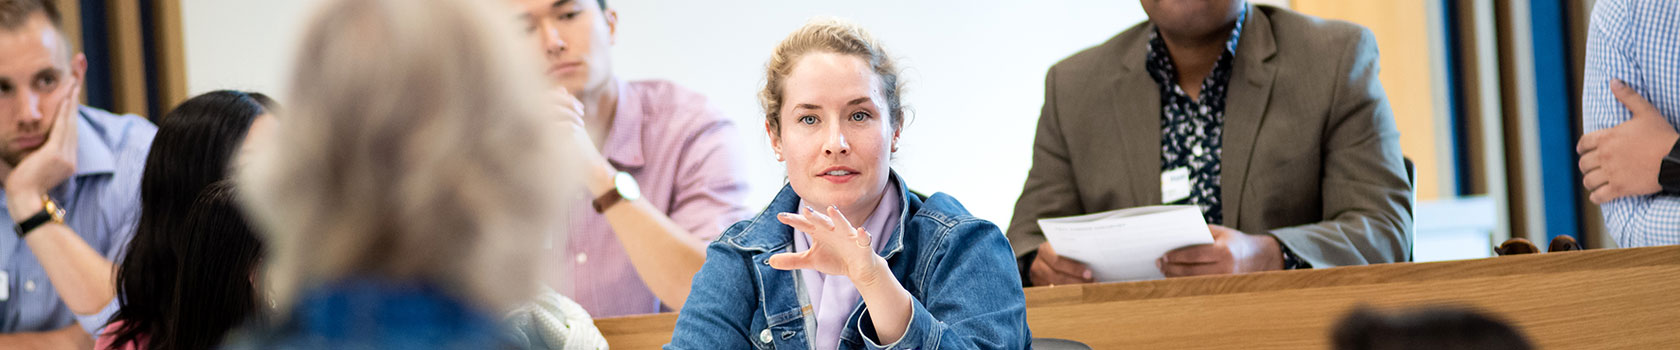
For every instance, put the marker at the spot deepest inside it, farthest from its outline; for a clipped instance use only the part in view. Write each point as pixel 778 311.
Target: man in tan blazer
pixel 1271 121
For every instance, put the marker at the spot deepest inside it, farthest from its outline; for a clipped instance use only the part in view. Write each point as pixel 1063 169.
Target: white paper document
pixel 1122 245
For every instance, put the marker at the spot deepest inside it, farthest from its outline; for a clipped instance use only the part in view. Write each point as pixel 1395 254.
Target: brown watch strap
pixel 606 201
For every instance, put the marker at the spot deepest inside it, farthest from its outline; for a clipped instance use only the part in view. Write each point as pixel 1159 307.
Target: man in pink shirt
pixel 663 184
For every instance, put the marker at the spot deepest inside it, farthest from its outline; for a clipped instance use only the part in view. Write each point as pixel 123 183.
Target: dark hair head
pixel 15 13
pixel 215 289
pixel 194 148
pixel 1437 328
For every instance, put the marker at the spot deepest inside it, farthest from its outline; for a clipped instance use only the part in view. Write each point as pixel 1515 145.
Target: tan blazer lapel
pixel 1245 107
pixel 1137 104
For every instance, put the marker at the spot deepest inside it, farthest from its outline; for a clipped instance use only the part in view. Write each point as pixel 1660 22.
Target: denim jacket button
pixel 764 336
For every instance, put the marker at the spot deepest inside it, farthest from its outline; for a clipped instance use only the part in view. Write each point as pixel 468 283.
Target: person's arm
pixel 1367 201
pixel 972 285
pixel 82 276
pixel 1048 192
pixel 972 299
pixel 70 337
pixel 1628 159
pixel 707 199
pixel 670 249
pixel 1633 221
pixel 666 255
pixel 722 305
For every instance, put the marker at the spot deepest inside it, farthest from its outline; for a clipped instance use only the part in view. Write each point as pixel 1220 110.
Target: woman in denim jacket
pixel 847 256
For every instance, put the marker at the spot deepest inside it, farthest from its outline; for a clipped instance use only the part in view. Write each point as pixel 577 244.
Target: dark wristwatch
pixel 1669 174
pixel 50 212
pixel 624 189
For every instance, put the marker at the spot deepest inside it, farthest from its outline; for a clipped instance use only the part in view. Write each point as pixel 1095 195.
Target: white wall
pixel 240 44
pixel 975 70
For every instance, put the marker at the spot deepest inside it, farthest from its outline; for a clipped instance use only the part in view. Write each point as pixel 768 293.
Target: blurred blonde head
pixel 417 149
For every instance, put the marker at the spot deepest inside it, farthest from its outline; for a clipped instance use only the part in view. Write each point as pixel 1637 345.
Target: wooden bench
pixel 1623 298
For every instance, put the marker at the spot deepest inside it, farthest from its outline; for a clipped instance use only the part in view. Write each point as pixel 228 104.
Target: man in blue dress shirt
pixel 71 187
pixel 1630 102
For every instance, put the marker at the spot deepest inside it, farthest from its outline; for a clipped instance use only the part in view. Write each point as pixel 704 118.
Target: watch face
pixel 627 186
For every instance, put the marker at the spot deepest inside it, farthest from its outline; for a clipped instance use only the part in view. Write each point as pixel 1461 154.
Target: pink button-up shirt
pixel 680 150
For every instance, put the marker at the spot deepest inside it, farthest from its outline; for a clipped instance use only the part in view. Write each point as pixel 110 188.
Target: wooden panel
pixel 1572 310
pixel 170 59
pixel 128 57
pixel 638 332
pixel 1591 299
pixel 71 26
pixel 71 23
pixel 1402 30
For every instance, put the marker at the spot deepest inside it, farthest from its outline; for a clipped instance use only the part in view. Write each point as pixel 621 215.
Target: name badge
pixel 5 286
pixel 1175 185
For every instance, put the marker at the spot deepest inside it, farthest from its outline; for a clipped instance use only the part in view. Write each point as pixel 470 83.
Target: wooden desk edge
pixel 1355 275
pixel 662 324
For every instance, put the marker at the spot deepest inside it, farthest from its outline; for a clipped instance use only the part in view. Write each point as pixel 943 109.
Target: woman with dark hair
pixel 160 293
pixel 215 287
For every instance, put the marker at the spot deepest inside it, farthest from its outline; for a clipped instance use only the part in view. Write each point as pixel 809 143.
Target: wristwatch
pixel 624 189
pixel 1290 260
pixel 50 212
pixel 1668 175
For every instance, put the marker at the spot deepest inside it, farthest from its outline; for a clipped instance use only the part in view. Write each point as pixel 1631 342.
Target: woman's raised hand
pixel 837 247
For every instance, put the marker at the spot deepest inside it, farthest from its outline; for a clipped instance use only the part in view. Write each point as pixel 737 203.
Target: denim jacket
pixel 959 269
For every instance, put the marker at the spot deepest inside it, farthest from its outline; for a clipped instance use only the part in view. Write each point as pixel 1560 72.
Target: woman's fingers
pixel 861 238
pixel 833 228
pixel 839 218
pixel 791 261
pixel 855 233
pixel 823 221
pixel 798 222
pixel 814 223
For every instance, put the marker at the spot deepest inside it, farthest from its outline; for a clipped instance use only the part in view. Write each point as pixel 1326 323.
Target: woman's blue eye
pixel 808 120
pixel 860 116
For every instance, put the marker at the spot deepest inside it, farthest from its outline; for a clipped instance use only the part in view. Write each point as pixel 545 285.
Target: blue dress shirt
pixel 101 203
pixel 1638 42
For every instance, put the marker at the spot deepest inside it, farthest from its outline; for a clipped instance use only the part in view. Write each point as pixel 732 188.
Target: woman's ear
pixel 896 131
pixel 775 140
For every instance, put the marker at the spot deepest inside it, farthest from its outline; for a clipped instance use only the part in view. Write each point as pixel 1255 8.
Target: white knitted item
pixel 558 322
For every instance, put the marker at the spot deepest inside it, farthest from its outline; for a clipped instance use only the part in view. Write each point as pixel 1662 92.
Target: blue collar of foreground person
pixel 381 313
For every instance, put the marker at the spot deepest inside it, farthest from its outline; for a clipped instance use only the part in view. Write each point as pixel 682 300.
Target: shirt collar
pixel 623 147
pixel 93 155
pixel 1236 32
